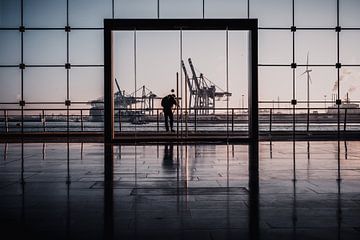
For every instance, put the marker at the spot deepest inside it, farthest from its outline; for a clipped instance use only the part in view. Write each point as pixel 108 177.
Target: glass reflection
pixel 168 159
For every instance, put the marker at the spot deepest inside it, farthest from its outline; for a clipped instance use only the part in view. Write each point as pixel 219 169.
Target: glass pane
pixel 238 69
pixel 275 47
pixel 89 13
pixel 281 77
pixel 319 13
pixel 349 83
pixel 124 60
pixel 49 13
pixel 321 80
pixel 9 13
pixel 10 81
pixel 10 47
pixel 212 64
pixel 163 47
pixel 159 78
pixel 86 84
pixel 45 84
pixel 181 9
pixel 321 46
pixel 135 8
pixel 226 9
pixel 349 47
pixel 45 47
pixel 272 13
pixel 349 13
pixel 86 47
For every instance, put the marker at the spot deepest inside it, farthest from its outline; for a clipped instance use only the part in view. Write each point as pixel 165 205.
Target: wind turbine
pixel 308 78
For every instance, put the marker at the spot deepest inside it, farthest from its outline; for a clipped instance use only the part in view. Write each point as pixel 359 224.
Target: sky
pixel 158 52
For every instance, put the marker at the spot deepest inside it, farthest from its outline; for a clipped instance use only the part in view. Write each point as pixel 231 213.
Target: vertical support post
pixel 253 85
pixel 177 107
pixel 345 119
pixel 253 112
pixel 158 9
pixel 6 121
pixel 119 119
pixel 68 181
pixel 338 100
pixel 108 85
pixel 81 120
pixel 308 120
pixel 186 110
pixel 294 147
pixel 157 120
pixel 22 93
pixel 108 104
pixel 43 120
pixel 195 119
pixel 67 101
pixel 232 120
pixel 270 121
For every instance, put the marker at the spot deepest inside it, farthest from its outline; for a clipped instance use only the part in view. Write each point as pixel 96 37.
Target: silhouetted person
pixel 168 160
pixel 167 103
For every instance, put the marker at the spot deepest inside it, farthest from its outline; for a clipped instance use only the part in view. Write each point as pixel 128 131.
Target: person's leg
pixel 171 116
pixel 166 115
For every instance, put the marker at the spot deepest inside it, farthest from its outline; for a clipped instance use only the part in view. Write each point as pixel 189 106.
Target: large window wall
pixel 51 51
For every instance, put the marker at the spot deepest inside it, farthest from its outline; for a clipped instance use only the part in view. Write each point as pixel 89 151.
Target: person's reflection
pixel 168 160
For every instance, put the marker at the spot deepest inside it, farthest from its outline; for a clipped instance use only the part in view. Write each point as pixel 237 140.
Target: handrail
pixel 270 119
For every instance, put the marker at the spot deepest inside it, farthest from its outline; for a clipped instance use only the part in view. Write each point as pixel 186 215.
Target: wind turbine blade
pixel 302 74
pixel 310 79
pixel 307 58
pixel 307 61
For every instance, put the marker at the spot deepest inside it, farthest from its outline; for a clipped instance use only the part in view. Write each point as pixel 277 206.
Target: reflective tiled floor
pixel 180 192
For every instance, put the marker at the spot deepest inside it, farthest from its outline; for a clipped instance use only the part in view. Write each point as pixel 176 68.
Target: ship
pixel 345 107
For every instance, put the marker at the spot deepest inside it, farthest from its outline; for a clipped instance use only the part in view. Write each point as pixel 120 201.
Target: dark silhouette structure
pixel 167 103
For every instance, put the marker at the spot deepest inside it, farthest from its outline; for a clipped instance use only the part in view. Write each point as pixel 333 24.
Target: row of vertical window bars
pixel 203 15
pixel 233 119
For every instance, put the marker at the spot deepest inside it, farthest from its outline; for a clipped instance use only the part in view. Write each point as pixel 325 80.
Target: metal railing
pixel 233 120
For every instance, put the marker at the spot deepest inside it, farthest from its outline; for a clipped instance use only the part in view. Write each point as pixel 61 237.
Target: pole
pixel 232 120
pixel 81 120
pixel 6 121
pixel 177 107
pixel 186 110
pixel 242 102
pixel 43 120
pixel 157 119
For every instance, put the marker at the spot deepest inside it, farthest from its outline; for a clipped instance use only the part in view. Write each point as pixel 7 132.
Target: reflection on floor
pixel 181 192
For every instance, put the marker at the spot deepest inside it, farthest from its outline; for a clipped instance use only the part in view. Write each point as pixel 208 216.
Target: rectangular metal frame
pixel 111 25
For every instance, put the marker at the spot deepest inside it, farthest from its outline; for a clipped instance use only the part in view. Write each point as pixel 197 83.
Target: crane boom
pixel 195 79
pixel 117 85
pixel 186 76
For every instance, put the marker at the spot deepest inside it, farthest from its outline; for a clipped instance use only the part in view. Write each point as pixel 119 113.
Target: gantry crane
pixel 202 95
pixel 125 103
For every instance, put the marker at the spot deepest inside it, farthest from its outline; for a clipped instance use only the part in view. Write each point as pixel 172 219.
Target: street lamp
pixel 242 102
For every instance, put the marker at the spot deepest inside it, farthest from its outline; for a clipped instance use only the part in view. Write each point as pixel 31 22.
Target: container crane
pixel 202 95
